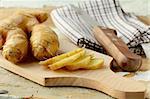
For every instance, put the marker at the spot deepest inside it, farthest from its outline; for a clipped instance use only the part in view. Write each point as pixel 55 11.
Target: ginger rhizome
pixel 17 29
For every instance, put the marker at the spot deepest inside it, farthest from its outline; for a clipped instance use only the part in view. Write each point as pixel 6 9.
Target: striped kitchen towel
pixel 107 13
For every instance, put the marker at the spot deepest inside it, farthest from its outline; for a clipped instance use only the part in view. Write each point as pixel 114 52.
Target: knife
pixel 114 46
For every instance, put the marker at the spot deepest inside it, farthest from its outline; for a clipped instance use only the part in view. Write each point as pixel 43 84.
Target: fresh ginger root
pixel 14 38
pixel 7 24
pixel 29 22
pixel 44 42
pixel 16 45
pixel 1 41
pixel 41 16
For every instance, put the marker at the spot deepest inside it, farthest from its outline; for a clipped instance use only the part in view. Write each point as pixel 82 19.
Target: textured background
pixel 139 7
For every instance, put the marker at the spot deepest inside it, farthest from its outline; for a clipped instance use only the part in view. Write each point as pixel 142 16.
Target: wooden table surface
pixel 20 86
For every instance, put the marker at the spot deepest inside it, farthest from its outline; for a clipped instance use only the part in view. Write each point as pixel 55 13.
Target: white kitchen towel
pixel 107 13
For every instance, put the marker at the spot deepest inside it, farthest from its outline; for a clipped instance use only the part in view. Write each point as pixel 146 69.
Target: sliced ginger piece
pixel 79 63
pixel 60 57
pixel 66 60
pixel 95 64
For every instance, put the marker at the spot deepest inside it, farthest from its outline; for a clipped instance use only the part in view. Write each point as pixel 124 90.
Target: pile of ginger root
pixel 24 31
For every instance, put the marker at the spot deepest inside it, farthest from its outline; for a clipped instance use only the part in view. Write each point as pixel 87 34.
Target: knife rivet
pixel 102 27
pixel 109 34
pixel 114 39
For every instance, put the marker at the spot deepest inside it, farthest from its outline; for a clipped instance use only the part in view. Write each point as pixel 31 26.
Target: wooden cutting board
pixel 102 79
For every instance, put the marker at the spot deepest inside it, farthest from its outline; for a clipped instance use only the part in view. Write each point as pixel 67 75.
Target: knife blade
pixel 114 46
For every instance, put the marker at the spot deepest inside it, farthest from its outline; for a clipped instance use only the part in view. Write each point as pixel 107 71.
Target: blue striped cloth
pixel 107 13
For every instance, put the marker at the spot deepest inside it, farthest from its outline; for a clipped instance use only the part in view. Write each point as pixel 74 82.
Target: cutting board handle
pixel 107 82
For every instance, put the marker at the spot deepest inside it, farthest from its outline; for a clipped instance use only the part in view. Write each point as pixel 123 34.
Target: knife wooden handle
pixel 115 47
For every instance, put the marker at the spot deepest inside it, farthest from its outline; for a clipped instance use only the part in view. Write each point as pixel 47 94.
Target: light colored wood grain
pixel 102 79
